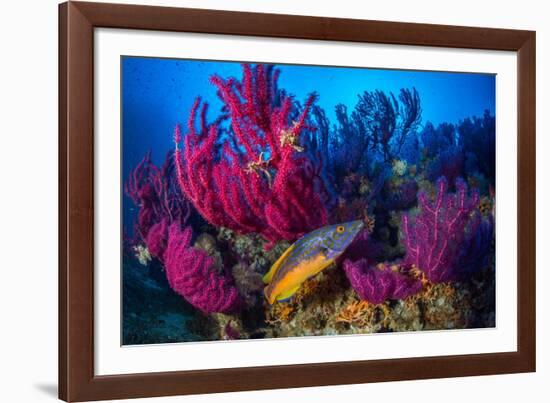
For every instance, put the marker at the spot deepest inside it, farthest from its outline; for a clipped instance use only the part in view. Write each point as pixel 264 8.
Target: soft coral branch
pixel 376 284
pixel 159 200
pixel 261 181
pixel 447 233
pixel 193 274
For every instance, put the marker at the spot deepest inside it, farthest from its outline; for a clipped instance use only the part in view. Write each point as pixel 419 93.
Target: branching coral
pixel 448 236
pixel 256 178
pixel 435 140
pixel 449 163
pixel 378 130
pixel 478 138
pixel 154 190
pixel 193 274
pixel 350 144
pixel 387 120
pixel 359 313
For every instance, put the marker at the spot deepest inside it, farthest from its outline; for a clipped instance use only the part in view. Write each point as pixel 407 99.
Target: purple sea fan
pixel 192 273
pixel 445 236
pixel 377 284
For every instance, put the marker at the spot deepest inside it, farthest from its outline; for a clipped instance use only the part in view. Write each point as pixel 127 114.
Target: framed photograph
pixel 256 201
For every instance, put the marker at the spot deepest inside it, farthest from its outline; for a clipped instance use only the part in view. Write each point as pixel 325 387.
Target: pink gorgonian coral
pixel 157 238
pixel 447 233
pixel 193 274
pixel 253 174
pixel 160 202
pixel 379 283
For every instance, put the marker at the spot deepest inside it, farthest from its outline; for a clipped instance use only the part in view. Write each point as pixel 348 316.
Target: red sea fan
pixel 256 177
pixel 157 238
pixel 160 202
pixel 193 274
pixel 141 187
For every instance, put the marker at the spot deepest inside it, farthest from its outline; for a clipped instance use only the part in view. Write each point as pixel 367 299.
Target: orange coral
pixel 369 223
pixel 357 312
pixel 280 313
pixel 308 288
pixel 420 275
pixel 386 315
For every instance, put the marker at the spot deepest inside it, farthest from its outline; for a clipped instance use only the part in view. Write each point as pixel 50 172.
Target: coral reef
pixel 268 170
pixel 327 306
pixel 262 182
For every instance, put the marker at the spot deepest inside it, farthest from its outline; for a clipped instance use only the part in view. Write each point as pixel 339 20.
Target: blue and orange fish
pixel 308 256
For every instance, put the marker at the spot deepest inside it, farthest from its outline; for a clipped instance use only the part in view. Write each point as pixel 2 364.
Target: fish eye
pixel 340 229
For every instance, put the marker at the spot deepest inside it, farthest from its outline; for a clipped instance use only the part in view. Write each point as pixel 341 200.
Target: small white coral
pixel 399 167
pixel 142 255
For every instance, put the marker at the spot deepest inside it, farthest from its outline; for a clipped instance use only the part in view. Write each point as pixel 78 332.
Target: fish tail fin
pixel 269 275
pixel 267 294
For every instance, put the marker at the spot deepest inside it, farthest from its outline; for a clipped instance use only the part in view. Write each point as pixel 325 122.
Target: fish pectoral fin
pixel 286 295
pixel 269 275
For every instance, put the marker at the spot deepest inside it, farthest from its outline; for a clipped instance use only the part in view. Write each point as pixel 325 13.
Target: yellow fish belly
pixel 291 281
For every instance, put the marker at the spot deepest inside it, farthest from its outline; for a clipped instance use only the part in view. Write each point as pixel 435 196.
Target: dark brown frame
pixel 77 21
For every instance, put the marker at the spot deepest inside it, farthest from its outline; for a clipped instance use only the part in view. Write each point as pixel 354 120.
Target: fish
pixel 307 257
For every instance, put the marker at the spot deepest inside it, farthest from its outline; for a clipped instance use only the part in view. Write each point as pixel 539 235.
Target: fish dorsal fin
pixel 269 275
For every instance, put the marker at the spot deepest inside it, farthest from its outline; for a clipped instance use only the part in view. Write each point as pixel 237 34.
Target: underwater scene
pixel 267 200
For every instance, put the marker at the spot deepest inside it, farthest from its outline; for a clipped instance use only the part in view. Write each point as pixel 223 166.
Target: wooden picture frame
pixel 77 22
